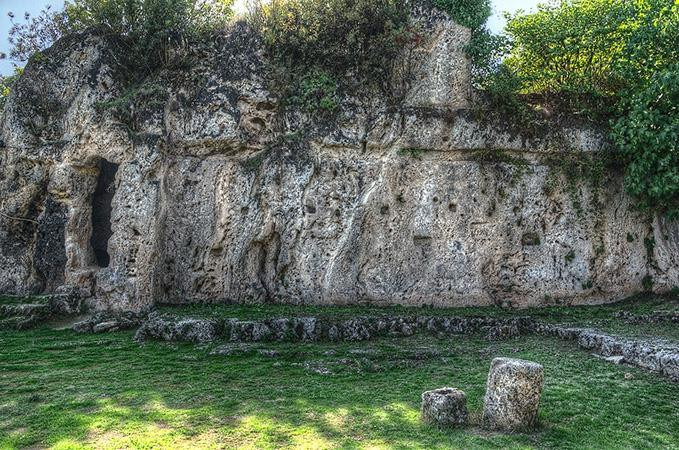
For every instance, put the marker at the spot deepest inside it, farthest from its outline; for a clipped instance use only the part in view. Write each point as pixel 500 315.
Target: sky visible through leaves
pixel 19 7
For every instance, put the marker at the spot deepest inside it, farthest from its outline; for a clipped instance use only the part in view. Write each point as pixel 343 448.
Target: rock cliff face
pixel 210 191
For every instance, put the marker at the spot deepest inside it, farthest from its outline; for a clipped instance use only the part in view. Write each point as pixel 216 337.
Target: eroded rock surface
pixel 512 394
pixel 220 194
pixel 445 407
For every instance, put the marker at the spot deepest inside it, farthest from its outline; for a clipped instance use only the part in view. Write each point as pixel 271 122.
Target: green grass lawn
pixel 639 304
pixel 64 390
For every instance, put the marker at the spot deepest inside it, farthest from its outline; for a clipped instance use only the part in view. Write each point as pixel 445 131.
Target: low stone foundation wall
pixel 35 311
pixel 311 329
pixel 654 355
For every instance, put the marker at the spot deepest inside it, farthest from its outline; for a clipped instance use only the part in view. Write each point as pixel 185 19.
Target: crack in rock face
pixel 224 194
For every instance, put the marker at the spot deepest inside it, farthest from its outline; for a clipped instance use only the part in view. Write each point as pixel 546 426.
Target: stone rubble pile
pixel 108 322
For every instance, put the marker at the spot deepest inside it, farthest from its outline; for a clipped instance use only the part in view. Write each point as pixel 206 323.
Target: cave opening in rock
pixel 101 212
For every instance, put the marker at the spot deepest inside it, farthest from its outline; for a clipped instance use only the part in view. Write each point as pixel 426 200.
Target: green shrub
pixel 590 53
pixel 602 59
pixel 569 47
pixel 6 86
pixel 316 91
pixel 149 28
pixel 647 137
pixel 470 13
pixel 352 41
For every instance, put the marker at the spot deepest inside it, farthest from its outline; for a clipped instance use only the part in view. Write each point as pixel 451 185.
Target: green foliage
pixel 6 86
pixel 150 94
pixel 316 91
pixel 412 152
pixel 313 44
pixel 470 13
pixel 600 59
pixel 590 53
pixel 149 28
pixel 569 46
pixel 570 256
pixel 647 137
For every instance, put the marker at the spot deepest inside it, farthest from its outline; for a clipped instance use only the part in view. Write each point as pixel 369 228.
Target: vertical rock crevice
pixel 102 200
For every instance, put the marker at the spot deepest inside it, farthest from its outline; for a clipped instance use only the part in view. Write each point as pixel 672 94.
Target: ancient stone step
pixel 24 310
pixel 26 315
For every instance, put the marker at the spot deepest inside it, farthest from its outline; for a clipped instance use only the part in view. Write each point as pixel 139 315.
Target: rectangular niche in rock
pixel 101 212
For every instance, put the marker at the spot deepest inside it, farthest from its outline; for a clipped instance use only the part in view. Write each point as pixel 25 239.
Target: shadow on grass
pixel 66 390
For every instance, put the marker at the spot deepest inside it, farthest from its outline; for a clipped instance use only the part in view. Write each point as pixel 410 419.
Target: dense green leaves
pixel 149 28
pixel 351 40
pixel 152 26
pixel 606 58
pixel 569 47
pixel 470 13
pixel 150 31
pixel 648 139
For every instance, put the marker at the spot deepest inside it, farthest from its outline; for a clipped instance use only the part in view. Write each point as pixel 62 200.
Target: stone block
pixel 445 407
pixel 512 394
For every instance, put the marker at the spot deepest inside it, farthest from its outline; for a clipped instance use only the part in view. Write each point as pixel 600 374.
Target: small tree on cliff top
pixel 149 26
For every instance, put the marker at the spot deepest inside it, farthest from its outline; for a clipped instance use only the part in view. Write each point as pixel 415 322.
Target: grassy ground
pixel 17 300
pixel 640 304
pixel 598 317
pixel 64 390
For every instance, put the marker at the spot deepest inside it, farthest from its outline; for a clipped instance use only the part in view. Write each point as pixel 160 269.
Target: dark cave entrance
pixel 101 212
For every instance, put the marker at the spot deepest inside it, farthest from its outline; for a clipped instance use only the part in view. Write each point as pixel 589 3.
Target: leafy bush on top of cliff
pixel 352 41
pixel 603 59
pixel 594 51
pixel 470 13
pixel 150 27
pixel 648 138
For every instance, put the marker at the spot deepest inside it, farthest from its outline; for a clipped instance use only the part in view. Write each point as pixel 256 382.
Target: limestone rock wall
pixel 223 196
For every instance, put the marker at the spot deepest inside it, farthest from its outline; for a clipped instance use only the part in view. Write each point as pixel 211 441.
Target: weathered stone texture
pixel 512 395
pixel 220 197
pixel 653 355
pixel 445 407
